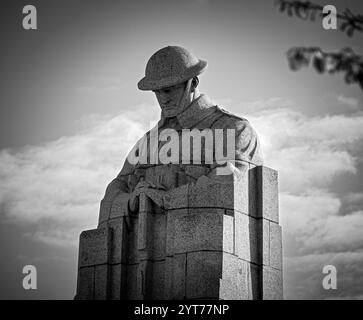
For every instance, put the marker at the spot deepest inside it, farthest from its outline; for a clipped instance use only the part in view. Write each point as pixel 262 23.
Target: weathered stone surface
pixel 158 280
pixel 94 247
pixel 230 192
pixel 275 246
pixel 264 193
pixel 119 240
pixel 204 271
pixel 242 236
pixel 145 279
pixel 117 281
pixel 265 230
pixel 194 172
pixel 175 277
pixel 159 236
pixel 272 283
pixel 85 283
pixel 132 241
pixel 270 209
pixel 163 174
pixel 236 279
pixel 105 210
pixel 256 282
pixel 119 206
pixel 133 291
pixel 228 233
pixel 199 229
pixel 247 237
pixel 176 198
pixel 253 191
pixel 102 282
pixel 184 250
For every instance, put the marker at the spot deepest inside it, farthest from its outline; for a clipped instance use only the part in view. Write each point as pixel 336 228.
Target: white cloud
pixel 58 185
pixel 319 226
pixel 349 101
pixel 308 152
pixel 303 276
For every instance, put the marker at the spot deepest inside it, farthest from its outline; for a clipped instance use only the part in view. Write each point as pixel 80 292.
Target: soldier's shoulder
pixel 230 118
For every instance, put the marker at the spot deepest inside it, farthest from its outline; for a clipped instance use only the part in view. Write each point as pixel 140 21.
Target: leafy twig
pixel 349 22
pixel 345 61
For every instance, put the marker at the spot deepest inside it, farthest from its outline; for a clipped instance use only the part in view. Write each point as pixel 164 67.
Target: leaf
pixel 282 6
pixel 350 31
pixel 297 58
pixel 319 62
pixel 343 26
pixel 331 63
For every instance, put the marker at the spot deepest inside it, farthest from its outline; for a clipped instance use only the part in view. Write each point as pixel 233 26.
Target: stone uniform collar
pixel 194 113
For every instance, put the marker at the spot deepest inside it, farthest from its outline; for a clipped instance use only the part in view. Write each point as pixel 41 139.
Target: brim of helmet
pixel 152 84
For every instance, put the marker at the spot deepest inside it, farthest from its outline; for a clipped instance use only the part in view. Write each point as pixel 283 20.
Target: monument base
pixel 211 241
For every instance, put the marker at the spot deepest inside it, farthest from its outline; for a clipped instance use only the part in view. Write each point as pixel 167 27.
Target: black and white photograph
pixel 156 150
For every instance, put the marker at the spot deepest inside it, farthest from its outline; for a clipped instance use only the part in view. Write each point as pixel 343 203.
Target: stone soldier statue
pixel 186 220
pixel 172 74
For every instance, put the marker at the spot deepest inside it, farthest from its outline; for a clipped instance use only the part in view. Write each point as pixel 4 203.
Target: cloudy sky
pixel 70 110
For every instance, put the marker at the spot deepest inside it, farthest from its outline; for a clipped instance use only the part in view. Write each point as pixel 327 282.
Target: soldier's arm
pixel 116 199
pixel 247 152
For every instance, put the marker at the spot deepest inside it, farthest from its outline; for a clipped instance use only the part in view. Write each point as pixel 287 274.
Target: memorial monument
pixel 193 214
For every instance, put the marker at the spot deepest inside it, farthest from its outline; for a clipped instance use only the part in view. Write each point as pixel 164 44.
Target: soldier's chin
pixel 169 111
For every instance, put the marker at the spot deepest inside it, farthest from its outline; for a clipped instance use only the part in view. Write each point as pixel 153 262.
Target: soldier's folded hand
pixel 151 189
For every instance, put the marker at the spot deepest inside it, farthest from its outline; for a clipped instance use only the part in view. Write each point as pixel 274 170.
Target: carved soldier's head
pixel 172 74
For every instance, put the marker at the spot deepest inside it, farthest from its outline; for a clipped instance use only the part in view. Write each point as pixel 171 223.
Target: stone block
pixel 133 291
pixel 247 235
pixel 117 281
pixel 271 283
pixel 242 236
pixel 264 193
pixel 269 187
pixel 175 277
pixel 256 282
pixel 228 192
pixel 102 283
pixel 176 198
pixel 275 246
pixel 228 233
pixel 85 283
pixel 118 240
pixel 94 247
pixel 199 229
pixel 158 280
pixel 235 283
pixel 203 274
pixel 265 245
pixel 253 191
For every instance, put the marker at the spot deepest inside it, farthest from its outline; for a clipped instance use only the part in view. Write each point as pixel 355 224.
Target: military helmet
pixel 170 66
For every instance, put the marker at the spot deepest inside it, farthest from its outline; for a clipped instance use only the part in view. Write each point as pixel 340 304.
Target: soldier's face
pixel 170 98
